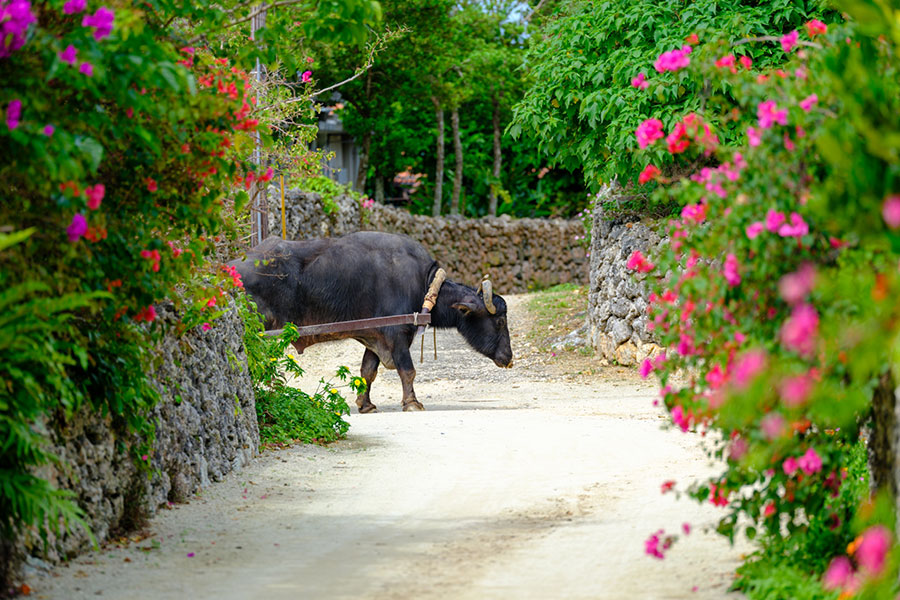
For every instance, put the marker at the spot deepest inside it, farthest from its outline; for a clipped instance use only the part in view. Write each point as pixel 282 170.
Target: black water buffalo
pixel 363 275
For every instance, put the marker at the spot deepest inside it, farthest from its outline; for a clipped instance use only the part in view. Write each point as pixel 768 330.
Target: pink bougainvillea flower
pixel 790 466
pixel 839 574
pixel 86 68
pixel 754 137
pixel 151 184
pixel 747 367
pixel 796 228
pixel 638 262
pixel 890 211
pixel 692 39
pixel 799 332
pixel 77 228
pixel 795 286
pixel 810 462
pixel 48 130
pixel 754 229
pixel 808 102
pixel 788 143
pixel 147 314
pixel 667 486
pixel 13 113
pixel 715 377
pixel 653 545
pixel 772 426
pixel 95 195
pixel 816 27
pixel 686 528
pixel 738 448
pixel 677 141
pixel 206 327
pixel 685 345
pixel 306 76
pixel 101 21
pixel 731 270
pixel 746 62
pixel 673 60
pixel 68 55
pixel 74 6
pixel 15 18
pixel 639 82
pixel 694 213
pixel 727 62
pixel 769 510
pixel 774 219
pixel 788 41
pixel 649 173
pixel 768 114
pixel 718 495
pixel 681 419
pixel 648 132
pixel 646 368
pixel 872 549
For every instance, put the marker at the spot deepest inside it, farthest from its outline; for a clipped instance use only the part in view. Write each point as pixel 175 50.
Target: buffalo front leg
pixel 407 374
pixel 368 371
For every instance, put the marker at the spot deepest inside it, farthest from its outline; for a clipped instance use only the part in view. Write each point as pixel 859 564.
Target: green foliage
pixel 581 108
pixel 286 413
pixel 329 190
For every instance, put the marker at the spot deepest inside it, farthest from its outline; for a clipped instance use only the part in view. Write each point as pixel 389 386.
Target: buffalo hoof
pixel 368 407
pixel 414 405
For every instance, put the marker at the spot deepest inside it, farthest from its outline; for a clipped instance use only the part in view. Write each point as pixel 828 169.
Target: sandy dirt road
pixel 524 483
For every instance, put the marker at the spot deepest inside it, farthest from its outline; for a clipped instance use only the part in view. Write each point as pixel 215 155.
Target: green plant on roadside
pixel 328 190
pixel 286 413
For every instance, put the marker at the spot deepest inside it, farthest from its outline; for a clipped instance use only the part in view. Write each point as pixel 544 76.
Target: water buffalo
pixel 363 275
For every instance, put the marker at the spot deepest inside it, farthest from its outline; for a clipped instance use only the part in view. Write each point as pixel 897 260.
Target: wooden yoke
pixel 431 297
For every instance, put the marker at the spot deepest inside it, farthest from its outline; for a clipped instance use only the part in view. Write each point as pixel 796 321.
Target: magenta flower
pixel 74 6
pixel 891 211
pixel 790 466
pixel 646 368
pixel 774 219
pixel 680 419
pixel 795 390
pixel 95 195
pixel 796 228
pixel 746 62
pixel 799 332
pixel 686 528
pixel 648 132
pixel 638 262
pixel 15 18
pixel 731 270
pixel 48 130
pixel 788 41
pixel 206 327
pixel 795 286
pixel 640 82
pixel 754 137
pixel 77 228
pixel 872 550
pixel 649 173
pixel 754 229
pixel 101 21
pixel 772 426
pixel 673 60
pixel 306 76
pixel 768 114
pixel 694 213
pixel 747 367
pixel 652 545
pixel 839 574
pixel 86 68
pixel 810 462
pixel 808 102
pixel 13 113
pixel 68 55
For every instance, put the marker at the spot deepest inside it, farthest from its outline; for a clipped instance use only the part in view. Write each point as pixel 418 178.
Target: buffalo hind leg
pixel 407 374
pixel 368 371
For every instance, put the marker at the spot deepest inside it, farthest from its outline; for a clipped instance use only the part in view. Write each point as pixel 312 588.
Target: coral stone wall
pixel 519 254
pixel 205 425
pixel 617 298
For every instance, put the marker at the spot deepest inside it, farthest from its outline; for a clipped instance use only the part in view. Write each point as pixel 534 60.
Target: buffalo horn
pixel 487 292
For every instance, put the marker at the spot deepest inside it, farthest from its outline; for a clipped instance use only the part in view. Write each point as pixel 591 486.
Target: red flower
pixel 151 184
pixel 649 173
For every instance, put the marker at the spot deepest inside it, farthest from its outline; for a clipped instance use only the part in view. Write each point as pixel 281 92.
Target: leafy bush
pixel 286 413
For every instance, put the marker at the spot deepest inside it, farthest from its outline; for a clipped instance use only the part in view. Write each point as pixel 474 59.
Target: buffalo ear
pixel 465 307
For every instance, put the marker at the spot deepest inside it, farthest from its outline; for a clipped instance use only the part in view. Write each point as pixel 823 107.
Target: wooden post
pixel 283 223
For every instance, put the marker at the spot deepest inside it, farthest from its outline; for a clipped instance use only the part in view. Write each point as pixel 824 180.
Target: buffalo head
pixel 483 323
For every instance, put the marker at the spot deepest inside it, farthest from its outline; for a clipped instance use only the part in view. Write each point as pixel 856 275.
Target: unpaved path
pixel 521 483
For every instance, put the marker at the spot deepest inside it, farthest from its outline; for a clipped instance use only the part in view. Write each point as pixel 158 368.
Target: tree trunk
pixel 884 439
pixel 458 172
pixel 379 189
pixel 360 184
pixel 492 198
pixel 439 168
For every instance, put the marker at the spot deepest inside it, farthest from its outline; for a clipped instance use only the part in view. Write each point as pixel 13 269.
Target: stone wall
pixel 617 298
pixel 519 254
pixel 205 424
